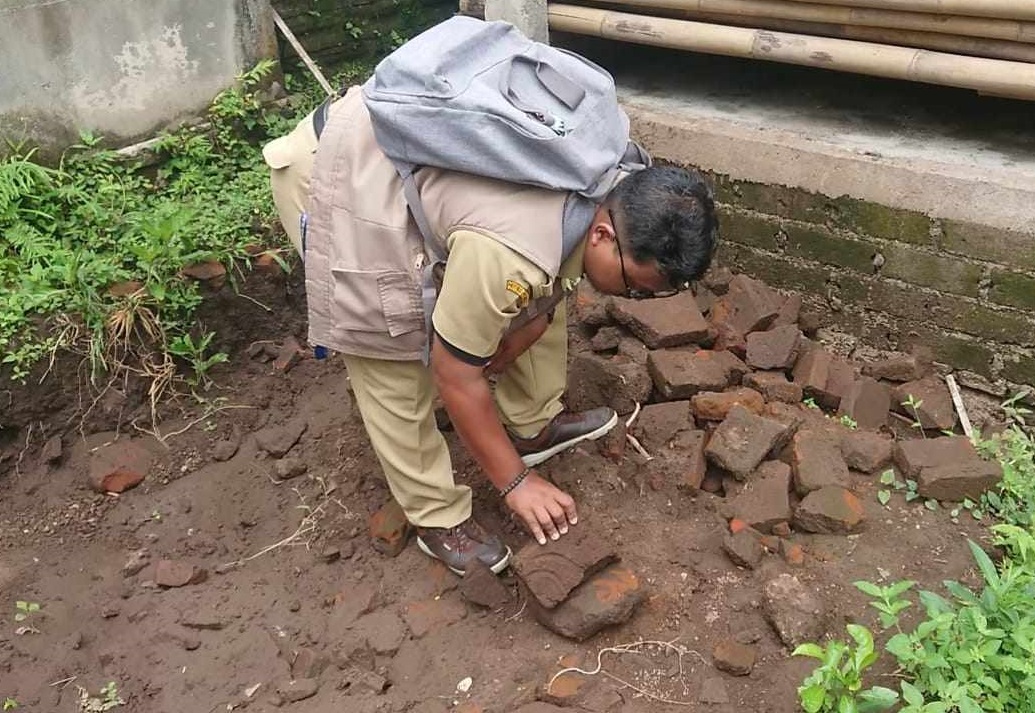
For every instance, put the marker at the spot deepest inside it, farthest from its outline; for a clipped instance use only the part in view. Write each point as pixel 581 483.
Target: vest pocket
pixel 386 301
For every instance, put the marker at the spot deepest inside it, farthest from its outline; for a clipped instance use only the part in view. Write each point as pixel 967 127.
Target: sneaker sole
pixel 495 569
pixel 536 458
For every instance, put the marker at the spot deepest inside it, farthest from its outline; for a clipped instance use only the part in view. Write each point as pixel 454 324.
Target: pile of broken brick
pixel 745 402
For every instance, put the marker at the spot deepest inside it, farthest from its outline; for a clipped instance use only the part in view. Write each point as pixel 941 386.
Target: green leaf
pixel 811 650
pixel 869 588
pixel 887 477
pixel 984 563
pixel 877 698
pixel 911 694
pixel 911 496
pixel 931 504
pixel 812 698
pixel 884 496
pixel 900 587
pixel 846 705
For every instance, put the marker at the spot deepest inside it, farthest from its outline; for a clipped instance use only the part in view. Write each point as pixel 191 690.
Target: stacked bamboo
pixel 984 45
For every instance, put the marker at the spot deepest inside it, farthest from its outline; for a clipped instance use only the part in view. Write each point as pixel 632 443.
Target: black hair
pixel 667 215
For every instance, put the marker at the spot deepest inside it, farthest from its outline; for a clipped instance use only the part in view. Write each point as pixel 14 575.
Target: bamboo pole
pixel 992 28
pixel 1008 9
pixel 973 46
pixel 994 76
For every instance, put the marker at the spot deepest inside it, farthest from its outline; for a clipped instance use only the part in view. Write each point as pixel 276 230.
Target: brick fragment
pixel 51 452
pixel 913 456
pixel 866 451
pixel 715 406
pixel 936 410
pixel 744 548
pixel 776 348
pixel 774 386
pixel 866 402
pixel 816 461
pixel 210 272
pixel 901 367
pixel 278 440
pixel 590 307
pixel 734 658
pixel 658 424
pixel 764 501
pixel 755 305
pixel 289 354
pixel 389 529
pixel 717 279
pixel 789 312
pixel 832 510
pixel 822 377
pixel 946 468
pixel 177 573
pixel 793 554
pixel 119 466
pixel 618 382
pixel 743 440
pixel 608 598
pixel 795 611
pixel 483 588
pixel 606 339
pixel 840 379
pixel 668 322
pixel 681 374
pixel 612 445
pixel 552 571
pixel 692 452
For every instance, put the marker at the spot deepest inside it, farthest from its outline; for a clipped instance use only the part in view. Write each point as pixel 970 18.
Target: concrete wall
pixel 120 68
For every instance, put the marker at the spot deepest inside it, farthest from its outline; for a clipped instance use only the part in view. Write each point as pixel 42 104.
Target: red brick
pixel 793 554
pixel 734 658
pixel 789 313
pixel 590 307
pixel 866 451
pixel 744 548
pixel 867 403
pixel 288 355
pixel 832 510
pixel 765 499
pixel 480 586
pixel 812 369
pixel 816 461
pixel 552 571
pixel 755 305
pixel 667 322
pixel 743 440
pixel 681 374
pixel 840 378
pixel 610 597
pixel 618 382
pixel 125 289
pixel 774 349
pixel 658 424
pixel 913 456
pixel 612 445
pixel 936 410
pixel 959 481
pixel 211 272
pixel 715 406
pixel 389 529
pixel 695 464
pixel 774 386
pixel 901 367
pixel 119 466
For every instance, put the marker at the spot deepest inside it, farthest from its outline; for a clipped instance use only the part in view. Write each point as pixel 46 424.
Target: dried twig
pixel 627 649
pixel 24 450
pixel 518 613
pixel 957 400
pixel 639 448
pixel 209 412
pixel 636 412
pixel 63 682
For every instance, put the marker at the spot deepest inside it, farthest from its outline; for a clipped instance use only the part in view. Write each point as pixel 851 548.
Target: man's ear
pixel 601 230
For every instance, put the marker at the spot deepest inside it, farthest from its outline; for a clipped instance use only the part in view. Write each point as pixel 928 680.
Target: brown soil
pixel 206 646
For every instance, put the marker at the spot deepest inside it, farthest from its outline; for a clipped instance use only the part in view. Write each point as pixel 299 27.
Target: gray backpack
pixel 481 98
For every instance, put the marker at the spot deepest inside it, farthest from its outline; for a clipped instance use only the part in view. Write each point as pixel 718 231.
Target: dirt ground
pixel 311 599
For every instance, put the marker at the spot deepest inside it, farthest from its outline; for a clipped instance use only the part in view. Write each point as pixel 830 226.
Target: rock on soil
pixel 176 573
pixel 936 410
pixel 608 598
pixel 389 529
pixel 715 406
pixel 278 440
pixel 679 374
pixel 136 562
pixel 119 466
pixel 774 386
pixel 734 658
pixel 866 451
pixel 795 611
pixel 618 382
pixel 552 571
pixel 743 440
pixel 867 403
pixel 483 588
pixel 744 548
pixel 298 689
pixel 946 468
pixel 765 500
pixel 832 510
pixel 817 461
pixel 774 349
pixel 713 692
pixel 667 322
pixel 225 450
pixel 288 468
pixel 51 452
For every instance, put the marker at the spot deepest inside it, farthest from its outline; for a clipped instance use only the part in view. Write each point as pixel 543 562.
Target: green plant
pixel 9 704
pixel 913 404
pixel 908 487
pixel 976 651
pixel 848 422
pixel 889 600
pixel 107 699
pixel 811 403
pixel 193 352
pixel 24 610
pixel 835 686
pixel 1013 502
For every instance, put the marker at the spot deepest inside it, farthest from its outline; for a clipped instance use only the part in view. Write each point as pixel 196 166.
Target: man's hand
pixel 545 509
pixel 517 343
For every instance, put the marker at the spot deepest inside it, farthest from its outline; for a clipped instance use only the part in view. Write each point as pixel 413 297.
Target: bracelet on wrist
pixel 518 479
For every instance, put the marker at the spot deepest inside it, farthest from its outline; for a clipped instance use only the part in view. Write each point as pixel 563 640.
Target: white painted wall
pixel 120 68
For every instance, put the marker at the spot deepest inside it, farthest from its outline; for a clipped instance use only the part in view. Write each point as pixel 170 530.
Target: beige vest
pixel 364 256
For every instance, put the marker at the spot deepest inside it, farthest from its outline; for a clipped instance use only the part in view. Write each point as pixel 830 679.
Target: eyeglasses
pixel 630 293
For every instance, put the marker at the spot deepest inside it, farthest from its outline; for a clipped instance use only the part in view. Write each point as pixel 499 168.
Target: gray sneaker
pixel 564 431
pixel 458 546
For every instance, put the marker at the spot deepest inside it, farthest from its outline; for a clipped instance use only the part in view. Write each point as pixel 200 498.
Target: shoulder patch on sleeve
pixel 516 288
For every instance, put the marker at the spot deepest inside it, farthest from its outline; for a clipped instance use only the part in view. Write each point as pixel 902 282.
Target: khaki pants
pixel 395 399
